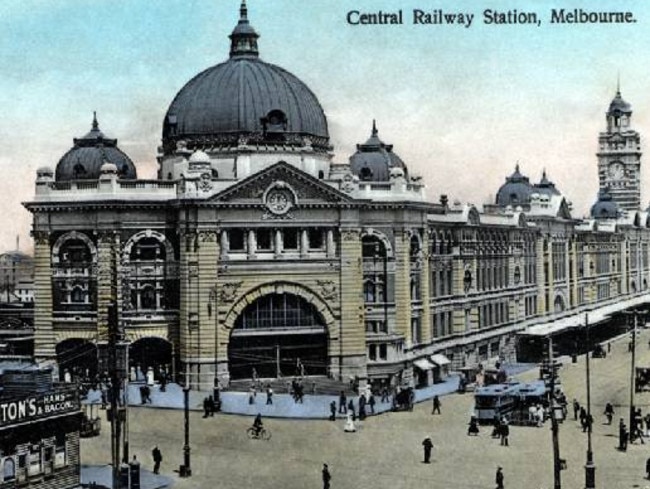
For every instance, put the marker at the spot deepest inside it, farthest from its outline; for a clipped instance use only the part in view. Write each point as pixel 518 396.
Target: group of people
pixel 210 406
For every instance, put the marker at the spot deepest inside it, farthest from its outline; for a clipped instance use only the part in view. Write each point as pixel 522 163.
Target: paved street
pixel 386 452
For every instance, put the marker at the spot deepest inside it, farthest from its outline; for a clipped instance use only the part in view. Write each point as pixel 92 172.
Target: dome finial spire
pixel 618 83
pixel 95 123
pixel 243 40
pixel 374 128
pixel 243 11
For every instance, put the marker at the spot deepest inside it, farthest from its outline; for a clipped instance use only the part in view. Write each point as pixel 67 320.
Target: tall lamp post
pixel 590 467
pixel 633 369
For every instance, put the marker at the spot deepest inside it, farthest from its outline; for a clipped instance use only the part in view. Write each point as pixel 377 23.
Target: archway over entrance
pixel 150 352
pixel 78 357
pixel 279 334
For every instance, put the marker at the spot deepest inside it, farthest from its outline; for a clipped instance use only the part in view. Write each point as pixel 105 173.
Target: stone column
pixel 252 243
pixel 403 287
pixel 425 319
pixel 331 244
pixel 44 338
pixel 352 352
pixel 199 261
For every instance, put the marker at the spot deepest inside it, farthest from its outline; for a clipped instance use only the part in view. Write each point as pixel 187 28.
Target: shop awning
pixel 440 360
pixel 423 364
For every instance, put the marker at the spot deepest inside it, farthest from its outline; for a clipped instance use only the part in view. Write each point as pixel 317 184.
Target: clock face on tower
pixel 616 170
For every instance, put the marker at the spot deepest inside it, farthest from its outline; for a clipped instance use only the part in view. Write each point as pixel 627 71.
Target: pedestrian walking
pixel 473 427
pixel 326 477
pixel 211 406
pixel 436 405
pixel 206 407
pixel 371 403
pixel 269 395
pixel 333 411
pixel 157 459
pixel 622 435
pixel 576 409
pixel 384 394
pixel 499 478
pixel 251 394
pixel 505 432
pixel 428 445
pixel 609 412
pixel 343 408
pixel 351 409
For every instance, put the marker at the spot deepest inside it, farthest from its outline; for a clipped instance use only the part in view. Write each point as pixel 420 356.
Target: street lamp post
pixel 557 465
pixel 187 471
pixel 590 467
pixel 633 370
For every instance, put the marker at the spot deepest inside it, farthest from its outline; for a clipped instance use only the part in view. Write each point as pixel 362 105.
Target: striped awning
pixel 423 364
pixel 440 360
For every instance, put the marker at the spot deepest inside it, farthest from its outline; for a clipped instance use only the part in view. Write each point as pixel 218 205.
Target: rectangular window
pixel 236 240
pixel 382 351
pixel 264 240
pixel 290 239
pixel 372 352
pixel 316 241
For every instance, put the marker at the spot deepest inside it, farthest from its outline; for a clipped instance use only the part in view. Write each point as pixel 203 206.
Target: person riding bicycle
pixel 257 424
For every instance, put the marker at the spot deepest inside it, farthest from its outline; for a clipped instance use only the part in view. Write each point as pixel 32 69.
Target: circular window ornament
pixel 279 198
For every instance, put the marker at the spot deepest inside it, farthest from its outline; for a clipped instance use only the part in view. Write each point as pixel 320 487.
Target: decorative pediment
pixel 279 187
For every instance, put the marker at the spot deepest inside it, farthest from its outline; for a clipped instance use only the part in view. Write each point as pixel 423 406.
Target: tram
pixel 495 401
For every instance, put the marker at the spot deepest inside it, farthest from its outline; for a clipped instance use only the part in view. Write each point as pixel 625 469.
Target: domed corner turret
pixel 244 102
pixel 619 113
pixel 85 159
pixel 375 161
pixel 516 191
pixel 605 207
pixel 44 174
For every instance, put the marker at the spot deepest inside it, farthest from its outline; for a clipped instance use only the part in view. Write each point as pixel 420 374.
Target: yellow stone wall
pixel 44 339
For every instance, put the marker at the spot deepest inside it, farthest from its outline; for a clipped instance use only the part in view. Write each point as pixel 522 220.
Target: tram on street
pixel 495 401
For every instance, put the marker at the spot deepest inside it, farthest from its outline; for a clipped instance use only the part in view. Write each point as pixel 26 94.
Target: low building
pixel 39 430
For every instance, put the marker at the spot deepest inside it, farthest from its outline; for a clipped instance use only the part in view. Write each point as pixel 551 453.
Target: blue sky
pixel 461 106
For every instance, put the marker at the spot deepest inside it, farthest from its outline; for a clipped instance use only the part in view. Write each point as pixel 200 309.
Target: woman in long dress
pixel 349 424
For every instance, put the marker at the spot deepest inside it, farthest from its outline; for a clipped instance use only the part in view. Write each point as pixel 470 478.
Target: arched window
pixel 215 174
pixel 369 291
pixel 148 297
pixel 365 173
pixel 8 469
pixel 279 311
pixel 321 174
pixel 77 295
pixel 78 171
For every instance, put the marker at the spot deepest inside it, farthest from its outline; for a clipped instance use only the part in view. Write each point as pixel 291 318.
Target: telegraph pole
pixel 633 369
pixel 115 393
pixel 590 467
pixel 557 466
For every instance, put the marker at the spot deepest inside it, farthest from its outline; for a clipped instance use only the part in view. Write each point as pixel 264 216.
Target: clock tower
pixel 619 156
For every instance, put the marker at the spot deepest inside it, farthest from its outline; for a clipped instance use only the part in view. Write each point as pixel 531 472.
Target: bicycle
pixel 263 434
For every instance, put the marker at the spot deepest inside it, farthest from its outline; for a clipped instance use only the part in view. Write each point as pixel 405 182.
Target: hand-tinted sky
pixel 460 105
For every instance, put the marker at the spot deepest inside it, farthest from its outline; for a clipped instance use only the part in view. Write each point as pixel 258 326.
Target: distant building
pixel 16 277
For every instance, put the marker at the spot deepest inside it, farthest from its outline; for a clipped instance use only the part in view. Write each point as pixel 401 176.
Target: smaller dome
pixel 605 207
pixel 516 191
pixel 199 157
pixel 375 161
pixel 89 153
pixel 619 105
pixel 545 186
pixel 44 171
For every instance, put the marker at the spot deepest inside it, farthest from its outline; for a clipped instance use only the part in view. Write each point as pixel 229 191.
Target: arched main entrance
pixel 78 357
pixel 278 335
pixel 150 352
